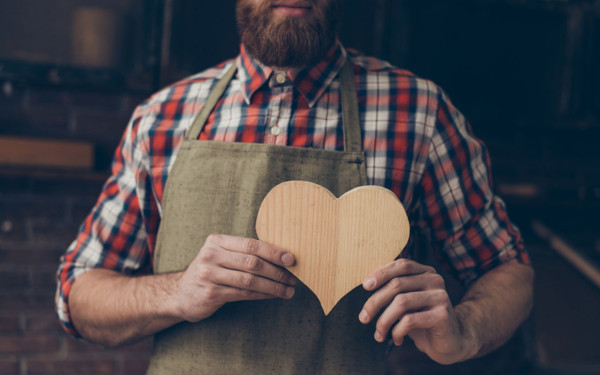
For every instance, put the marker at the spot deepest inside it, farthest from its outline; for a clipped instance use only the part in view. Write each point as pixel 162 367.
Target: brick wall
pixel 73 114
pixel 40 212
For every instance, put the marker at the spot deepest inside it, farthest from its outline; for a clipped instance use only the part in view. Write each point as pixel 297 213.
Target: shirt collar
pixel 311 82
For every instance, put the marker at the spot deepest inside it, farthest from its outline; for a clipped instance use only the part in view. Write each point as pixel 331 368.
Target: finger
pixel 386 294
pixel 232 294
pixel 257 266
pixel 403 304
pixel 215 254
pixel 418 320
pixel 399 267
pixel 254 247
pixel 248 281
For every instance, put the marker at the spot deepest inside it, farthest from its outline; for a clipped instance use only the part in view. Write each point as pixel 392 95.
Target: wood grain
pixel 31 152
pixel 337 242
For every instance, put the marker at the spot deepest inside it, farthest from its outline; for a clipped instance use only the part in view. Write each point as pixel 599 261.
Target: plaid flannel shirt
pixel 417 144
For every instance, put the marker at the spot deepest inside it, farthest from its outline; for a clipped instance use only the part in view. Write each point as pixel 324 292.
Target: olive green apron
pixel 217 187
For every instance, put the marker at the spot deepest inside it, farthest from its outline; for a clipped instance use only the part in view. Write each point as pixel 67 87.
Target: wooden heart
pixel 337 242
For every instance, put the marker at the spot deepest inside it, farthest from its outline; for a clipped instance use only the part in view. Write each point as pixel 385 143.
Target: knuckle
pixel 382 325
pixel 253 263
pixel 410 321
pixel 437 281
pixel 273 252
pixel 207 255
pixel 210 294
pixel 442 314
pixel 278 289
pixel 403 266
pixel 382 274
pixel 204 273
pixel 440 295
pixel 250 246
pixel 396 283
pixel 400 300
pixel 371 304
pixel 397 337
pixel 248 280
pixel 281 275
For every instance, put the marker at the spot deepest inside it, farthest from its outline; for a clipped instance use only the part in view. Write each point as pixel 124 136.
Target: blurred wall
pixel 42 31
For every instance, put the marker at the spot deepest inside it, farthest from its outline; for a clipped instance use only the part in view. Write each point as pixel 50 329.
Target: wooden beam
pixel 571 255
pixel 31 152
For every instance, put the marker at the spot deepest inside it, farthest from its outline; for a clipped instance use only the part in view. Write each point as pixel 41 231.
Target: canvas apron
pixel 217 187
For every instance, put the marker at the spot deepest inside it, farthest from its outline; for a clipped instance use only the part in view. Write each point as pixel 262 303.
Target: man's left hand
pixel 413 301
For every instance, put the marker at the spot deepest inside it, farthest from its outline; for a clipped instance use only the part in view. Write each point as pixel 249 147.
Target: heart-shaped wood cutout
pixel 337 242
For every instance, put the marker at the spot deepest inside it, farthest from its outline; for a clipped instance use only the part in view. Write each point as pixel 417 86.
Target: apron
pixel 217 187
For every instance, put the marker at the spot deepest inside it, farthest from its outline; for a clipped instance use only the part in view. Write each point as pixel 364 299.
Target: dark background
pixel 525 72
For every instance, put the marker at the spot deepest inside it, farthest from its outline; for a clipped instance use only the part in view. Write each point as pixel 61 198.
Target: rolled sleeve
pixel 469 225
pixel 113 236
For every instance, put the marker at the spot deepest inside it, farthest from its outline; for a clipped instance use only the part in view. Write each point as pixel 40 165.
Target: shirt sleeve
pixel 113 236
pixel 467 222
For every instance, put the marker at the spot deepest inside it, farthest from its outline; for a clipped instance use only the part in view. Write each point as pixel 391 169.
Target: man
pixel 174 257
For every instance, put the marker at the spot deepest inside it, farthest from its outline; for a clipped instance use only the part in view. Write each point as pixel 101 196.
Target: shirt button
pixel 280 78
pixel 275 130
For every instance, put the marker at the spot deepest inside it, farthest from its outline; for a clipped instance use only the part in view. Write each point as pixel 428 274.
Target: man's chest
pixel 281 117
pixel 391 144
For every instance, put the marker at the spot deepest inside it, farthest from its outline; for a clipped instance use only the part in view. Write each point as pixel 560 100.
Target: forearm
pixel 495 306
pixel 113 309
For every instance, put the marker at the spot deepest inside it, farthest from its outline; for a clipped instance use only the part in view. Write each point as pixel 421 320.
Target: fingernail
pixel 378 336
pixel 369 283
pixel 287 259
pixel 363 317
pixel 289 292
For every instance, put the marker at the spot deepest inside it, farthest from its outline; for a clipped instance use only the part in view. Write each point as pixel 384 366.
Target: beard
pixel 287 41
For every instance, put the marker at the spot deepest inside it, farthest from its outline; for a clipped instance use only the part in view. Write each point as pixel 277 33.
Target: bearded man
pixel 168 248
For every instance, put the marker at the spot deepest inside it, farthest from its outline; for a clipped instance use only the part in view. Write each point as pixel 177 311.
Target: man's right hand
pixel 110 308
pixel 229 269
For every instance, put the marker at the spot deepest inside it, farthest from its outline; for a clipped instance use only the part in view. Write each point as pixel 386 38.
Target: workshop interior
pixel 526 73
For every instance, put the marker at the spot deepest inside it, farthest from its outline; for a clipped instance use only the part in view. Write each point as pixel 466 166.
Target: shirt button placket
pixel 275 133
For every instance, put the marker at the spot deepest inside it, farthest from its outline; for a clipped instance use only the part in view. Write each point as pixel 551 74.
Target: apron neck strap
pixel 350 115
pixel 211 102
